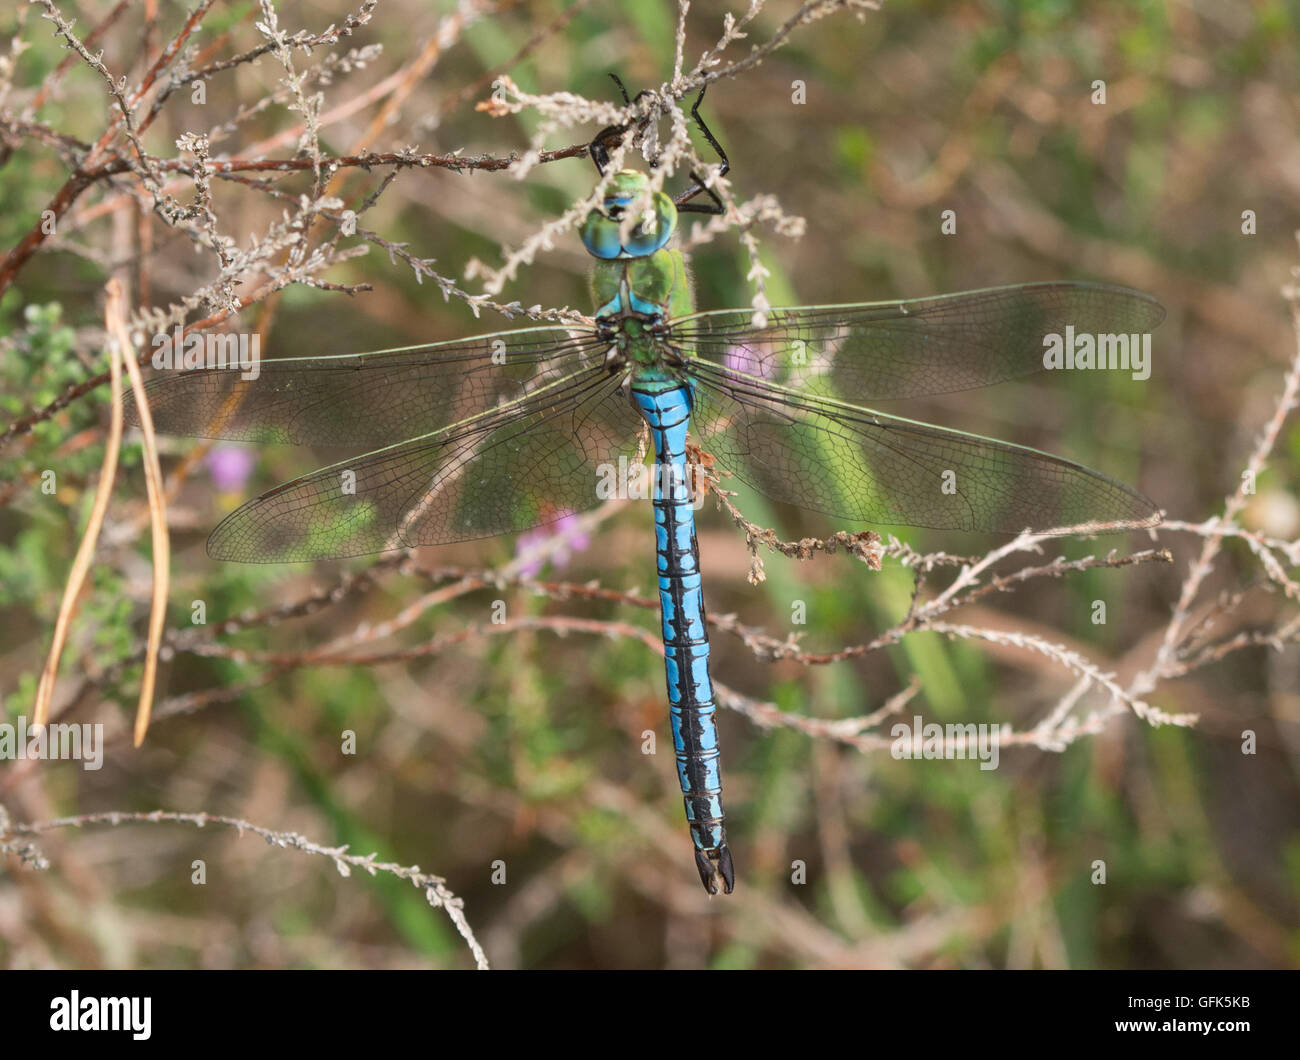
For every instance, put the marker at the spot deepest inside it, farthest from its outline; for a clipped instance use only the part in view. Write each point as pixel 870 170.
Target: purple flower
pixel 572 538
pixel 230 467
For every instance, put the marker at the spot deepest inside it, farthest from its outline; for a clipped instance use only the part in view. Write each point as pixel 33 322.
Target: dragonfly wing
pixel 877 351
pixel 868 467
pixel 528 462
pixel 367 398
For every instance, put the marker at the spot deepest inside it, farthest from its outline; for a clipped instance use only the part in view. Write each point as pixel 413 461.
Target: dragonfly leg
pixel 683 201
pixel 599 148
pixel 621 88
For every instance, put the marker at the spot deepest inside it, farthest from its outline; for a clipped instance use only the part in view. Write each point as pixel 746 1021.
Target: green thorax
pixel 634 294
pixel 655 286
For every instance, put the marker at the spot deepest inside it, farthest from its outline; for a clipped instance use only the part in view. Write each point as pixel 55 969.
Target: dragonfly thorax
pixel 636 300
pixel 637 285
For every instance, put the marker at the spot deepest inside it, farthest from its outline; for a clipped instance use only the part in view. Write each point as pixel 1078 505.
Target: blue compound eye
pixel 600 236
pixel 655 230
pixel 599 231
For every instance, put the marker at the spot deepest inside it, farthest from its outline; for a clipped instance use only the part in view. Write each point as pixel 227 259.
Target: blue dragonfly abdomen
pixel 667 411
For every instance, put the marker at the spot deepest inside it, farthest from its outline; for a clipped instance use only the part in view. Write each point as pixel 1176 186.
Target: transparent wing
pixel 868 467
pixel 367 398
pixel 528 462
pixel 877 351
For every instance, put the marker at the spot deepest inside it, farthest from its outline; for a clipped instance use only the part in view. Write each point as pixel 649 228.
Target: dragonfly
pixel 517 429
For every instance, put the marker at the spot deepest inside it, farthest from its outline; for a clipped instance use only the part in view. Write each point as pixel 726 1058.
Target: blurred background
pixel 526 748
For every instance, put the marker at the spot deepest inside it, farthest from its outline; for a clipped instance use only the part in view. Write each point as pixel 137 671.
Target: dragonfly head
pixel 600 230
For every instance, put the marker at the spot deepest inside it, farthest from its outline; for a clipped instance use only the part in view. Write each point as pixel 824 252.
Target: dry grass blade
pixel 115 319
pixel 86 550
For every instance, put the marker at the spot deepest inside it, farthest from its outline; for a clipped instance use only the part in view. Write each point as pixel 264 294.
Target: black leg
pixel 621 89
pixel 683 201
pixel 599 147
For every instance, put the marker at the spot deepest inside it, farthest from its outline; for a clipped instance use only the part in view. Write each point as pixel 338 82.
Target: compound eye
pixel 600 236
pixel 655 229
